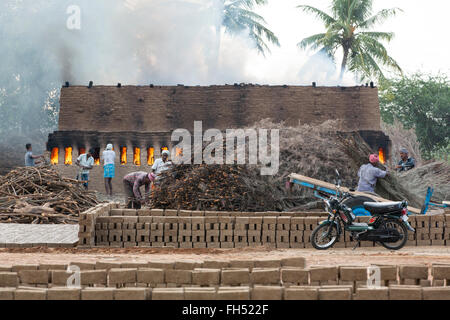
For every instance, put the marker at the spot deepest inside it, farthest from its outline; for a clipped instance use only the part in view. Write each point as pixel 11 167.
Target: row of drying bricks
pixel 287 272
pixel 393 292
pixel 229 232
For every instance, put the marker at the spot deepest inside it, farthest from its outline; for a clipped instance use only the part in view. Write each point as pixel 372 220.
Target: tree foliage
pixel 349 27
pixel 420 101
pixel 239 17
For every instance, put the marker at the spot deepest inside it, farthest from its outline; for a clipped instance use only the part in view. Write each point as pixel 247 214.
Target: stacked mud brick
pixel 107 225
pixel 269 279
pixel 87 220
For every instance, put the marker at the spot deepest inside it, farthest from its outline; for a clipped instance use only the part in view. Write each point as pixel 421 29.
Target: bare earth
pixel 341 256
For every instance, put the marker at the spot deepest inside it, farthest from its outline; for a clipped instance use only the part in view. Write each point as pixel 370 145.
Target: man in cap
pixel 86 162
pixel 161 164
pixel 406 163
pixel 109 157
pixel 368 175
pixel 132 183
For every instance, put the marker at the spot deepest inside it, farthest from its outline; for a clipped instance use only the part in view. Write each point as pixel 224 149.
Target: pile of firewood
pixel 40 195
pixel 217 188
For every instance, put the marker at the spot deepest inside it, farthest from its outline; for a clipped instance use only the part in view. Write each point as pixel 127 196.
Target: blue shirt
pixel 406 165
pixel 368 175
pixel 29 161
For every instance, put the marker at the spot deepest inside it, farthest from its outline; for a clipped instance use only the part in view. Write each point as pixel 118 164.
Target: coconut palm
pixel 238 17
pixel 349 26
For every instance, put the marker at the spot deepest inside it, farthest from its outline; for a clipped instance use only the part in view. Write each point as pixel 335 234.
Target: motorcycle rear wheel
pixel 401 228
pixel 319 235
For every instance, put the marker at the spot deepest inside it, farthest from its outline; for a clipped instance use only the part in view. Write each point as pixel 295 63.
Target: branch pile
pixel 40 195
pixel 313 151
pixel 217 188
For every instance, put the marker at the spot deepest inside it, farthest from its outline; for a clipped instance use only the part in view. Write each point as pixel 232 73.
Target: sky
pixel 421 38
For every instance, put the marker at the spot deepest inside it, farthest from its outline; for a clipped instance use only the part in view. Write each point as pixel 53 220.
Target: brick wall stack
pixel 268 279
pixel 165 108
pixel 111 226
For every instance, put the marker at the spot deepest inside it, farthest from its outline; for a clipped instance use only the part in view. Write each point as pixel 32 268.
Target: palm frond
pixel 313 41
pixel 380 17
pixel 238 19
pixel 386 36
pixel 327 19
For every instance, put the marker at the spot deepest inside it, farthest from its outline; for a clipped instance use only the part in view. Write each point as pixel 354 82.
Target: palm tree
pixel 237 16
pixel 349 27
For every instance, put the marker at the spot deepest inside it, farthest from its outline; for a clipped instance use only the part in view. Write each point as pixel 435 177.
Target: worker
pixel 369 173
pixel 132 183
pixel 30 158
pixel 109 156
pixel 405 162
pixel 161 164
pixel 86 162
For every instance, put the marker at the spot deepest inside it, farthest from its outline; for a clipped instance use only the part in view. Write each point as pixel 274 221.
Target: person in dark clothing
pixel 406 163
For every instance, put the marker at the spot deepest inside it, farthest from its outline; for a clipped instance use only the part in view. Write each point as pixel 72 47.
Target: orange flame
pixel 68 156
pixel 123 155
pixel 150 156
pixel 179 152
pixel 381 155
pixel 137 156
pixel 97 161
pixel 54 156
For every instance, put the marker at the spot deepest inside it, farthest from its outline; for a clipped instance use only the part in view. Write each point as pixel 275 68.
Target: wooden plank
pixel 331 186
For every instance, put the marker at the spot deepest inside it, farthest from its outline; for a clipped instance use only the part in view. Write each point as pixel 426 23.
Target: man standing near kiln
pixel 86 162
pixel 161 164
pixel 30 159
pixel 109 156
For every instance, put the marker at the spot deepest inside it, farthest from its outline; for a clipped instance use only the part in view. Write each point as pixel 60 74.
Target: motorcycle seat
pixel 383 207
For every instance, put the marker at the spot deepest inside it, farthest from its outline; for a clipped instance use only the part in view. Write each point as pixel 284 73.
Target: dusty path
pixel 344 256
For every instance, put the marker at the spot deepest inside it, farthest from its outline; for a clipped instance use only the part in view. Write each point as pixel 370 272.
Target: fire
pixel 381 155
pixel 54 156
pixel 123 155
pixel 137 156
pixel 97 161
pixel 150 156
pixel 68 156
pixel 179 152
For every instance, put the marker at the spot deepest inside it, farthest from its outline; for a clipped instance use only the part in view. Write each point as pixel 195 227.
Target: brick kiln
pixel 139 120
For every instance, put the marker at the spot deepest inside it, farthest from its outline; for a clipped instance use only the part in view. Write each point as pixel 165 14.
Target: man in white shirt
pixel 109 157
pixel 161 165
pixel 86 162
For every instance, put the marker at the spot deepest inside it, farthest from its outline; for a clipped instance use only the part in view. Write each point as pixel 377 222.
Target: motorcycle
pixel 388 224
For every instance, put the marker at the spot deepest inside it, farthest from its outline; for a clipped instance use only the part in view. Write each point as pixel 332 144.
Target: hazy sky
pixel 421 41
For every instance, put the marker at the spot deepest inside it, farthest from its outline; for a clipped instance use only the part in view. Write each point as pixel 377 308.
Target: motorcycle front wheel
pixel 319 238
pixel 401 228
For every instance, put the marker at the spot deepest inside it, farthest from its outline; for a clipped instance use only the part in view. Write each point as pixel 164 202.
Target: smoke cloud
pixel 128 41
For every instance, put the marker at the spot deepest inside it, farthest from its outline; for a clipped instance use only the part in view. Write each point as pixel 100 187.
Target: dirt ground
pixel 341 256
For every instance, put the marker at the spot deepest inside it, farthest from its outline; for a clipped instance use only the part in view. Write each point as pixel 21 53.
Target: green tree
pixel 238 17
pixel 422 102
pixel 349 27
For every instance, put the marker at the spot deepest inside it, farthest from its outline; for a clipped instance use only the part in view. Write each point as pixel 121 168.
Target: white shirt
pixel 108 157
pixel 160 166
pixel 85 162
